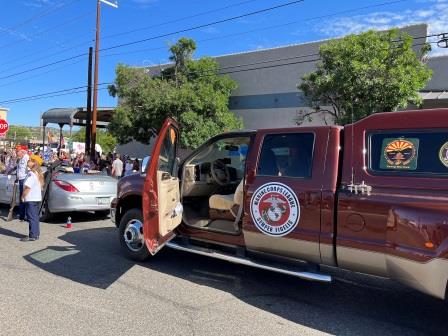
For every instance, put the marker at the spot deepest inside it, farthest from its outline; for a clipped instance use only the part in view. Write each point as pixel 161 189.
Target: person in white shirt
pixel 22 172
pixel 117 167
pixel 32 196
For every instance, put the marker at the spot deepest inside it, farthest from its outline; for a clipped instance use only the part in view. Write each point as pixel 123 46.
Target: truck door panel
pixel 162 210
pixel 272 173
pixel 400 225
pixel 169 199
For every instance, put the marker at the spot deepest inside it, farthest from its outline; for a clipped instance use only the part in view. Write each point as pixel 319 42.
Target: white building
pixel 267 94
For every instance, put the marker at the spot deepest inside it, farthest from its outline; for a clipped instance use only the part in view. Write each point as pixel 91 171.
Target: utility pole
pixel 89 104
pixel 95 76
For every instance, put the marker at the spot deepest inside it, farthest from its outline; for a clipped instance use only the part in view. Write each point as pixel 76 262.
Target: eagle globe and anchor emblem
pixel 275 209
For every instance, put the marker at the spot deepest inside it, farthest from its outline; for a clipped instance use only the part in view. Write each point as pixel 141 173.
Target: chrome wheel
pixel 133 235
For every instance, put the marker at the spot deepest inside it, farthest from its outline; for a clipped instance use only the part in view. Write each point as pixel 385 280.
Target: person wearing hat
pixel 32 196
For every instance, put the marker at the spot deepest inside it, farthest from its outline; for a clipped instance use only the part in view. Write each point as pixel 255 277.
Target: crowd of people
pixel 111 164
pixel 27 164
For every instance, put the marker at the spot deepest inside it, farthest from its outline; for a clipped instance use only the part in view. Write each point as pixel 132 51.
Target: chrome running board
pixel 248 262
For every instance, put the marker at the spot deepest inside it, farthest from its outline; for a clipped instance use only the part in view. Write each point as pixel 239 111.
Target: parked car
pixel 69 193
pixel 371 197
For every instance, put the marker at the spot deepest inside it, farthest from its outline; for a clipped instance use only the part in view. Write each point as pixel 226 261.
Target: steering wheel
pixel 220 172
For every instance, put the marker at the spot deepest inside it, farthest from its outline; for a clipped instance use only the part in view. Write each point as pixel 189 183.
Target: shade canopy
pixel 76 116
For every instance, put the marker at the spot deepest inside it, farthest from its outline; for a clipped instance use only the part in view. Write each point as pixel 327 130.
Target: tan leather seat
pixel 225 202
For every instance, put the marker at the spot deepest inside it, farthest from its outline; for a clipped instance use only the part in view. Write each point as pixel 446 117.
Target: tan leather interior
pixel 170 208
pixel 221 202
pixel 193 188
pixel 225 202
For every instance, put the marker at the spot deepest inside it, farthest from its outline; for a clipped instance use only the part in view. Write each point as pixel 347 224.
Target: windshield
pixel 233 150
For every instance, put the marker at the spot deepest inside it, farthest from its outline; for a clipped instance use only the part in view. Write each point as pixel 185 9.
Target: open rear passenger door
pixel 162 210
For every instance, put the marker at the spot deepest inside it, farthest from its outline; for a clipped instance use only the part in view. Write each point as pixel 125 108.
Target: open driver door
pixel 162 210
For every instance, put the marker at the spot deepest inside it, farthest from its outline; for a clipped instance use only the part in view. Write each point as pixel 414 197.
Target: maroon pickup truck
pixel 371 197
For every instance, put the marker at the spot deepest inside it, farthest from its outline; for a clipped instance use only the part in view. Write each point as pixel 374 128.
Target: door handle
pixel 165 176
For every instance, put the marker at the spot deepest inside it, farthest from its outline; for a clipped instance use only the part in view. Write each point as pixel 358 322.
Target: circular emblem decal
pixel 275 209
pixel 399 152
pixel 443 154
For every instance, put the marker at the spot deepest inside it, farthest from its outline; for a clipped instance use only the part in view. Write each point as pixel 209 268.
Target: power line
pixel 40 74
pixel 135 30
pixel 203 74
pixel 178 20
pixel 44 31
pixel 40 15
pixel 44 57
pixel 204 13
pixel 233 5
pixel 77 56
pixel 271 27
pixel 221 21
pixel 53 96
pixel 168 34
pixel 144 28
pixel 314 54
pixel 52 92
pixel 44 66
pixel 204 25
pixel 309 55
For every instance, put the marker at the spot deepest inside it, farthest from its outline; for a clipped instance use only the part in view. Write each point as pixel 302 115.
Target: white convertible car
pixel 69 192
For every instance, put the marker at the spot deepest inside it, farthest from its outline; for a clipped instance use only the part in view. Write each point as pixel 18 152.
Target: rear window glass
pixel 289 155
pixel 418 153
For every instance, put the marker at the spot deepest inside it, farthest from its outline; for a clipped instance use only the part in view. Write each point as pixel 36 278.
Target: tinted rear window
pixel 415 153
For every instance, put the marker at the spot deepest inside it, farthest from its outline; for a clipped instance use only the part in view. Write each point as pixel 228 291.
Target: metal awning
pixel 434 95
pixel 76 116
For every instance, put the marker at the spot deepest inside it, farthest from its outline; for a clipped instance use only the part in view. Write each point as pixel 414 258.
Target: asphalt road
pixel 76 282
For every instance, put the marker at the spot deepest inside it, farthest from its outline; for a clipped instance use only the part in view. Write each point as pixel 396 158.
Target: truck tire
pixel 131 235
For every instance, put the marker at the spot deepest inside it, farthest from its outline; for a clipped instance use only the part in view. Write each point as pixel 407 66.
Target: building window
pixel 414 153
pixel 288 155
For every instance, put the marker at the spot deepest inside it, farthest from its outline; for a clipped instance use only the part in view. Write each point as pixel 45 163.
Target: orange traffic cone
pixel 69 223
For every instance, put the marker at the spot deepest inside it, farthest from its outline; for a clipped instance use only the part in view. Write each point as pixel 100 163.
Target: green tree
pixel 190 91
pixel 104 138
pixel 181 53
pixel 19 132
pixel 359 75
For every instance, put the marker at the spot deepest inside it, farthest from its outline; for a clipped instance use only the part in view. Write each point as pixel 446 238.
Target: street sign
pixel 4 127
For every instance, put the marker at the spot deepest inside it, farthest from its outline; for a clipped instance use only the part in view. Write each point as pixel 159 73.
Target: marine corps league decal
pixel 443 154
pixel 275 209
pixel 400 154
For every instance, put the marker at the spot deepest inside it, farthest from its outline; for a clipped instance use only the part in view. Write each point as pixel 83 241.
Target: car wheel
pixel 131 237
pixel 45 215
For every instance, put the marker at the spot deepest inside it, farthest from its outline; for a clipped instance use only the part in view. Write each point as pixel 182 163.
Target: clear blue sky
pixel 37 32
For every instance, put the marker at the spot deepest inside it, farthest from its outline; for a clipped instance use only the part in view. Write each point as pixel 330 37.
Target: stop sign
pixel 4 127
